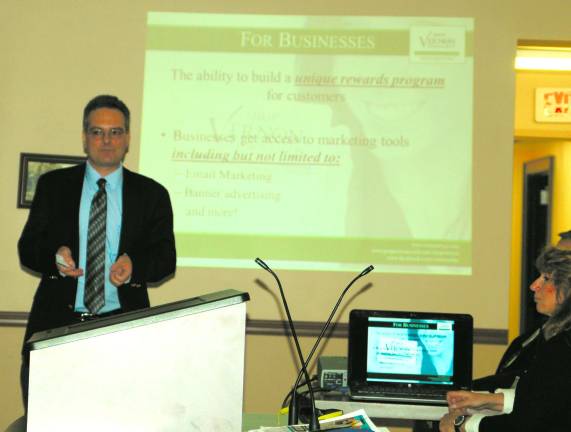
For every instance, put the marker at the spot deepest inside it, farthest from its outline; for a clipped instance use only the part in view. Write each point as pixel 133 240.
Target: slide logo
pixel 438 44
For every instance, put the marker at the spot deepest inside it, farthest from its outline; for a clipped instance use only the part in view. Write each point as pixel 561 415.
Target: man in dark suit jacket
pixel 53 241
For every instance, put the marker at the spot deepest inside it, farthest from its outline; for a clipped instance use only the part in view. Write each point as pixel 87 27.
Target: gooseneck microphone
pixel 292 419
pixel 293 400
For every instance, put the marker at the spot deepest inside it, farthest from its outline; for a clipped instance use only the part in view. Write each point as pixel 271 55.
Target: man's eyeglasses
pixel 112 133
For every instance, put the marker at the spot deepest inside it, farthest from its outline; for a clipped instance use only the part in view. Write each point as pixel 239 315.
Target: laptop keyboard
pixel 402 394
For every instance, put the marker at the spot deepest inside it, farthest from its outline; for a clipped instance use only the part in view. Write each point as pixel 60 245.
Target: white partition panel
pixel 179 374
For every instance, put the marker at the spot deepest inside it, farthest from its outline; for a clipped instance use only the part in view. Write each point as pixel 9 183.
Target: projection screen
pixel 319 142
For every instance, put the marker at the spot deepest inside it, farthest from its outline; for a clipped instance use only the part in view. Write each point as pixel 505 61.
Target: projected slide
pixel 322 143
pixel 403 349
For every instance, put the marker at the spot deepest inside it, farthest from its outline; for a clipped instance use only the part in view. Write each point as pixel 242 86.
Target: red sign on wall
pixel 553 105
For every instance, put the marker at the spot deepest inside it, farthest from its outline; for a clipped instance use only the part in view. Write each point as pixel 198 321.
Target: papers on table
pixel 356 420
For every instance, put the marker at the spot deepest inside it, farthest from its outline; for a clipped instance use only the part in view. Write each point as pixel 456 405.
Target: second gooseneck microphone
pixel 293 401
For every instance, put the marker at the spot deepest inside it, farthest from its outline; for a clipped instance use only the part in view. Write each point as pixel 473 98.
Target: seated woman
pixel 541 401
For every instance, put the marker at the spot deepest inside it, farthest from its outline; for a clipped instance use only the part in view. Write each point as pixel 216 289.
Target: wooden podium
pixel 176 367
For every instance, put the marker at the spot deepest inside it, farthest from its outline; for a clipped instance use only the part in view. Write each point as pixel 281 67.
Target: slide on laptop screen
pixel 409 357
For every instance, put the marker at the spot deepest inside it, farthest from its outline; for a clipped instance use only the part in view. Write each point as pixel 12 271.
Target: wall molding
pixel 281 328
pixel 341 330
pixel 13 319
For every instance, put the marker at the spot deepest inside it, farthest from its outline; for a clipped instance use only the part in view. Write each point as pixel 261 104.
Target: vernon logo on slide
pixel 437 44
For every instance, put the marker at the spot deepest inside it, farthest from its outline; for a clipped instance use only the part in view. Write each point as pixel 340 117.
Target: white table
pixel 382 410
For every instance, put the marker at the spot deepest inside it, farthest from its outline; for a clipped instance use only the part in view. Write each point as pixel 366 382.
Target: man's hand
pixel 66 264
pixel 121 270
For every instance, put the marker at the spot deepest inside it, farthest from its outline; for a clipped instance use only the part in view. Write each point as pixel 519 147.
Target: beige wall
pixel 58 54
pixel 10 396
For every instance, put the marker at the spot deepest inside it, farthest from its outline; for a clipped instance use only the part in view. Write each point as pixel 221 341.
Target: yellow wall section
pixel 526 84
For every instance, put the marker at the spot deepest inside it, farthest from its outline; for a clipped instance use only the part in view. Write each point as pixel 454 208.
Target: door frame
pixel 533 236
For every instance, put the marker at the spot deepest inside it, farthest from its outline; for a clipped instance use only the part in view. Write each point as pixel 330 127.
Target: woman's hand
pixel 447 421
pixel 462 400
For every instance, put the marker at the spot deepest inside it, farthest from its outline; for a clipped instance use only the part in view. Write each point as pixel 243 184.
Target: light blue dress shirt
pixel 114 190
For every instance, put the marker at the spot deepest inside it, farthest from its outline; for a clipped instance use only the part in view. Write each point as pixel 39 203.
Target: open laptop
pixel 408 357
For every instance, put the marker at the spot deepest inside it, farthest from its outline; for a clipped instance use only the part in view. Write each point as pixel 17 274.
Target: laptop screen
pixel 409 349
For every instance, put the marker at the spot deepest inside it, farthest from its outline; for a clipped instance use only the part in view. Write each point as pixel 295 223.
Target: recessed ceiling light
pixel 553 59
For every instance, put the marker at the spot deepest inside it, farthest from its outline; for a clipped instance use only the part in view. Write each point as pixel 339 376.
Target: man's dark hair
pixel 106 101
pixel 565 235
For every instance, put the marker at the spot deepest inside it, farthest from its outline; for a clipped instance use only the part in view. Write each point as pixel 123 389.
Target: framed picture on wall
pixel 32 166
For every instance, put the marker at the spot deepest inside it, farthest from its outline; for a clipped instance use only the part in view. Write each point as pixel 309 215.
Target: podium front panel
pixel 180 374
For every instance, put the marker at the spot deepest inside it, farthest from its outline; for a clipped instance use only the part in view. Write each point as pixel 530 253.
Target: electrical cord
pixel 288 396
